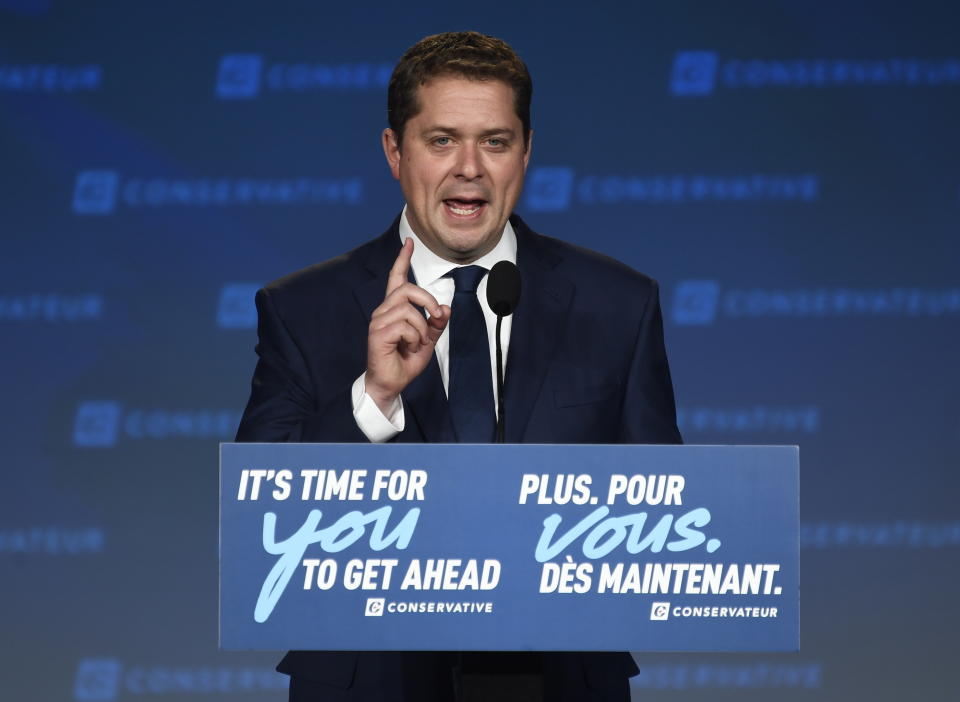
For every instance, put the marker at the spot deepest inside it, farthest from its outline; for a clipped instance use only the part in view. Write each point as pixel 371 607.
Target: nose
pixel 469 165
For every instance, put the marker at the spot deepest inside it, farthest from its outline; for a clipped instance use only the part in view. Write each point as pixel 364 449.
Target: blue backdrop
pixel 788 171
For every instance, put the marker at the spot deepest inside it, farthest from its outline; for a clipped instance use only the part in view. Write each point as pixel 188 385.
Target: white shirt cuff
pixel 376 426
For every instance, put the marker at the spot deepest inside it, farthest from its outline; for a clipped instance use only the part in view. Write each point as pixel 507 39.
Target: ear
pixel 526 153
pixel 391 149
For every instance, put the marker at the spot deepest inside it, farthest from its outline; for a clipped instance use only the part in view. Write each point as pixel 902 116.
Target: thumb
pixel 437 323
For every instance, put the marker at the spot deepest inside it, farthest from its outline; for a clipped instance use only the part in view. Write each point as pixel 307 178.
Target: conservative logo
pixel 702 73
pixel 239 76
pixel 236 308
pixel 50 78
pixel 703 302
pixel 108 679
pixel 376 606
pixel 103 423
pixel 660 611
pixel 96 423
pixel 98 680
pixel 103 192
pixel 248 76
pixel 95 192
pixel 52 541
pixel 558 188
pixel 739 676
pixel 51 308
pixel 694 73
pixel 898 534
pixel 549 189
pixel 753 419
pixel 695 302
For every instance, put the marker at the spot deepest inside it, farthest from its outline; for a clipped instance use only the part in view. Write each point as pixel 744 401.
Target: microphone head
pixel 503 288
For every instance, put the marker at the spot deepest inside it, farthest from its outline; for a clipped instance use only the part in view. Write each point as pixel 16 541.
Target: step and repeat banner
pixel 789 172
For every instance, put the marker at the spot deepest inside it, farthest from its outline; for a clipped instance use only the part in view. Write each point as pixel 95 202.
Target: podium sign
pixel 508 547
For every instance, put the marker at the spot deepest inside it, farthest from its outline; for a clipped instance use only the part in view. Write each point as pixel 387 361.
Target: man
pixel 371 345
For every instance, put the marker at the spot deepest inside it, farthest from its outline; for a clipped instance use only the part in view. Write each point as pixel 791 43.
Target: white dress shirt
pixel 429 271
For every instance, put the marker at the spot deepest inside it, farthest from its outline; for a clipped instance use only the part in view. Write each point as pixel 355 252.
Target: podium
pixel 509 547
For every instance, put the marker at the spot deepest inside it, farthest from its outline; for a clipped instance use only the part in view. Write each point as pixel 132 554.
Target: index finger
pixel 401 267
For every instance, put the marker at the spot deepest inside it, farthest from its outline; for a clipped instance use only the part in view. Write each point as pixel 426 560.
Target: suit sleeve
pixel 283 405
pixel 649 412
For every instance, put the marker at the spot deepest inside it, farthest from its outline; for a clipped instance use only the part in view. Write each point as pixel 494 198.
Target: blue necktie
pixel 470 387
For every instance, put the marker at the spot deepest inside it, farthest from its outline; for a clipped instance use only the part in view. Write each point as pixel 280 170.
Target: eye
pixel 497 143
pixel 441 141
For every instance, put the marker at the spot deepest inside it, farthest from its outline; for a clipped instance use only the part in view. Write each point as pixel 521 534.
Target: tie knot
pixel 467 278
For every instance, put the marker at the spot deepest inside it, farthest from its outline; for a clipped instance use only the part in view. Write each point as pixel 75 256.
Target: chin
pixel 461 251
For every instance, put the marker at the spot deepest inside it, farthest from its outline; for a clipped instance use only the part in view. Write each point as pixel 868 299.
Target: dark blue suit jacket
pixel 586 364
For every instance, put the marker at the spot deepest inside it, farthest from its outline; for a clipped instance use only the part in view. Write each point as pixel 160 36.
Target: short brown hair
pixel 469 54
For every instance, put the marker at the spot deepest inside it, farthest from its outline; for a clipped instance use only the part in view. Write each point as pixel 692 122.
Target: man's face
pixel 461 165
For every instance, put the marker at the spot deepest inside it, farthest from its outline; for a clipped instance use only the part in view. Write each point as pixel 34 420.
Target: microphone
pixel 503 288
pixel 503 294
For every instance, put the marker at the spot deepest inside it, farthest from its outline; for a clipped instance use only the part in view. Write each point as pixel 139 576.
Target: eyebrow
pixel 438 128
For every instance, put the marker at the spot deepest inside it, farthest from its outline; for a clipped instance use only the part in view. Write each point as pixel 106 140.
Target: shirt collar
pixel 428 267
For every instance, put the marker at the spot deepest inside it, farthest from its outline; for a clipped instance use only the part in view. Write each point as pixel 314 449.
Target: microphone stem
pixel 500 409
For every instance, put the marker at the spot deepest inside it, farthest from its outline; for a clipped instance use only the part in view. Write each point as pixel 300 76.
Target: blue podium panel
pixel 509 547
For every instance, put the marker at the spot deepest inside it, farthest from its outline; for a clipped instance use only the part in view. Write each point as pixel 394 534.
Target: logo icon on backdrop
pixel 101 423
pixel 880 534
pixel 98 680
pixel 659 611
pixel 694 73
pixel 52 540
pixel 549 189
pixel 374 607
pixel 247 76
pixel 239 76
pixel 51 307
pixel 695 302
pixel 103 192
pixel 107 679
pixel 96 423
pixel 50 77
pixel 701 302
pixel 557 188
pixel 757 673
pixel 95 192
pixel 702 73
pixel 749 419
pixel 236 309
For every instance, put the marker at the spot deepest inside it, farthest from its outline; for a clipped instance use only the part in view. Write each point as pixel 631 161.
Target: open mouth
pixel 464 209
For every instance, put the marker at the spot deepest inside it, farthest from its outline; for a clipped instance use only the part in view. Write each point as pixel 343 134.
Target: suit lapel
pixel 424 397
pixel 537 329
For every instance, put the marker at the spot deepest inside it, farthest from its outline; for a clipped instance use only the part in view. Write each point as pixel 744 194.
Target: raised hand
pixel 400 340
